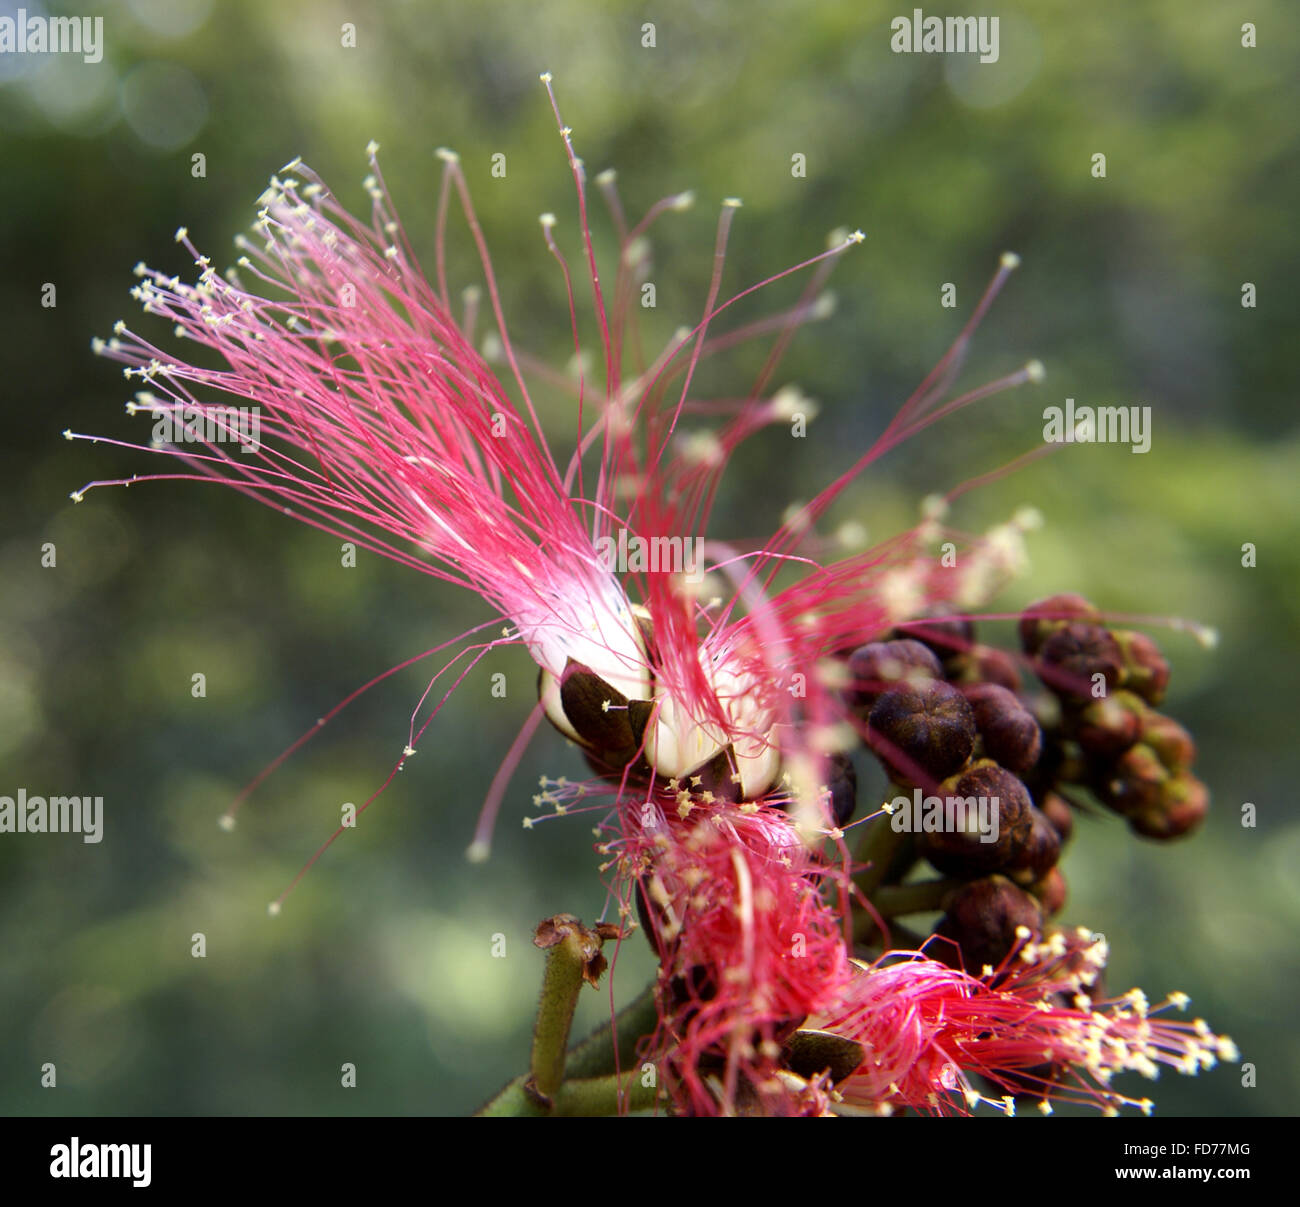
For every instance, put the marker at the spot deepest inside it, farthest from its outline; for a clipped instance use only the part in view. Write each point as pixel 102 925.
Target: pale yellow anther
pixel 934 507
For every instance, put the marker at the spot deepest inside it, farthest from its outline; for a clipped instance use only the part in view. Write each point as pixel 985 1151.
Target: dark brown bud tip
pixel 597 712
pixel 982 919
pixel 1070 660
pixel 927 727
pixel 1008 729
pixel 881 665
pixel 1040 620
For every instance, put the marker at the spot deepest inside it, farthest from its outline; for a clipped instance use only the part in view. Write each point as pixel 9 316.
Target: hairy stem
pixel 591 1061
pixel 566 964
pixel 595 1055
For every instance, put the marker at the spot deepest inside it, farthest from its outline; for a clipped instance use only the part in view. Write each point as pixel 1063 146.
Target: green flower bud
pixel 1145 669
pixel 1184 802
pixel 1171 742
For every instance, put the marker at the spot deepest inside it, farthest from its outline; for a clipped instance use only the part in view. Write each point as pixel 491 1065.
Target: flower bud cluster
pixel 949 715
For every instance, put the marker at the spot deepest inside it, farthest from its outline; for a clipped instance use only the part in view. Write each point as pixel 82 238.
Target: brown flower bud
pixel 881 665
pixel 1040 849
pixel 1145 669
pixel 1109 726
pixel 944 633
pixel 1135 782
pixel 1050 891
pixel 982 919
pixel 926 727
pixel 983 664
pixel 1070 658
pixel 1040 620
pixel 998 823
pixel 1008 729
pixel 1070 761
pixel 1057 810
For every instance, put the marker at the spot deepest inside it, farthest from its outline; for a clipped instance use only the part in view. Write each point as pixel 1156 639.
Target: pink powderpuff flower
pixel 379 421
pixel 748 946
pixel 1027 1027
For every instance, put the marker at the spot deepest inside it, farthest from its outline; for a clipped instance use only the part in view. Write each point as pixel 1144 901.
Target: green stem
pixel 605 1096
pixel 566 962
pixel 592 1058
pixel 867 934
pixel 880 847
pixel 918 897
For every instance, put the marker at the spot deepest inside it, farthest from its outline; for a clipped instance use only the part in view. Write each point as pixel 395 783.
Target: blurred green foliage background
pixel 1130 293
